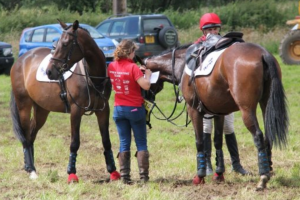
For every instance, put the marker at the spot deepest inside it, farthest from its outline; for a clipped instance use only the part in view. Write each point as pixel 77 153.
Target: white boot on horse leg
pixel 262 184
pixel 33 175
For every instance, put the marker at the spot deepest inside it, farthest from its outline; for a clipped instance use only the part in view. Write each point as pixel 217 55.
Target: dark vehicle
pixel 45 35
pixel 153 33
pixel 289 48
pixel 6 58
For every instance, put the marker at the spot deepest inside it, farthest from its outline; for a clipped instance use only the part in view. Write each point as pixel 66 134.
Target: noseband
pixel 64 66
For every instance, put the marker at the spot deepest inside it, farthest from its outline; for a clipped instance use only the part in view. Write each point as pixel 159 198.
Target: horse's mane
pixel 184 46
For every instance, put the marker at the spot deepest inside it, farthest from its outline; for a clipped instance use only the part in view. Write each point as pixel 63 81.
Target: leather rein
pixel 64 91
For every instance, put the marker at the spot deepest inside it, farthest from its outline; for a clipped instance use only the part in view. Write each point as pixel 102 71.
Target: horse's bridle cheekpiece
pixel 65 67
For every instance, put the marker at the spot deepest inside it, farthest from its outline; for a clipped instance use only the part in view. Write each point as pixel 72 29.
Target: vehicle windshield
pixel 94 33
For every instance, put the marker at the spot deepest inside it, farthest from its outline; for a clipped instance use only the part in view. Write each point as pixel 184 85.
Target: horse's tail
pixel 276 114
pixel 19 133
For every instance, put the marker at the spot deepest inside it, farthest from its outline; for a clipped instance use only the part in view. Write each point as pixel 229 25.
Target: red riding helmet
pixel 209 20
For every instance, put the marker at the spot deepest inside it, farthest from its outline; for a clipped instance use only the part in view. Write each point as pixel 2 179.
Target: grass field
pixel 172 161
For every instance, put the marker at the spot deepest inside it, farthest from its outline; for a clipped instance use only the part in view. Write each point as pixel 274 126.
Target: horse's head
pixel 169 63
pixel 68 50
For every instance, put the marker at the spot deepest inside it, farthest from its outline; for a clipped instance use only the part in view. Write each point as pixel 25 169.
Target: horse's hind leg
pixel 26 129
pixel 263 104
pixel 103 122
pixel 250 120
pixel 38 120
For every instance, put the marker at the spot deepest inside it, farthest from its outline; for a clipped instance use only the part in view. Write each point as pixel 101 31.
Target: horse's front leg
pixel 197 120
pixel 103 122
pixel 218 143
pixel 76 116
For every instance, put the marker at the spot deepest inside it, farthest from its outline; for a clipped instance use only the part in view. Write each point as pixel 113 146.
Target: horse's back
pixel 23 75
pixel 237 79
pixel 28 63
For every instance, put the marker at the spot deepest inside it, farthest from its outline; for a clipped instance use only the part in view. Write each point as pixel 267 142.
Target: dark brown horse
pixel 87 90
pixel 244 76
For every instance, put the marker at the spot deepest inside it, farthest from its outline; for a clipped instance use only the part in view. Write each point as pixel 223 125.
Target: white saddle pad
pixel 41 72
pixel 207 65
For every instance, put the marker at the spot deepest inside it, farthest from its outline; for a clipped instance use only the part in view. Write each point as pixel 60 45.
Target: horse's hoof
pixel 218 178
pixel 115 176
pixel 33 175
pixel 262 184
pixel 72 178
pixel 198 180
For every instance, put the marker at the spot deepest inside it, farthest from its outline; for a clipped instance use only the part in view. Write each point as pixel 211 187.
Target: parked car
pixel 6 58
pixel 153 33
pixel 44 36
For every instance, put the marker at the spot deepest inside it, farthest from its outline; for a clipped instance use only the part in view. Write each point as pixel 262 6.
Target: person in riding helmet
pixel 210 23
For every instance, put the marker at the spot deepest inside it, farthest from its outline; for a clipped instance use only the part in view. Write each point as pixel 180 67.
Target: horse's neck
pixel 96 66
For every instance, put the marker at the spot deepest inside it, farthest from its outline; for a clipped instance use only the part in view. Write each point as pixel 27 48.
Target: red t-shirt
pixel 124 74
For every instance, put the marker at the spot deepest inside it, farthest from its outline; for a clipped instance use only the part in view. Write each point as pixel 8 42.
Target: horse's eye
pixel 65 44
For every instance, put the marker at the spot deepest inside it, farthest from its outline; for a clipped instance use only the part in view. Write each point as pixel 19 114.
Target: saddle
pixel 196 53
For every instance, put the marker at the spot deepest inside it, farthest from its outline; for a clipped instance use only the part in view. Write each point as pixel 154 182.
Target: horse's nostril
pixel 48 72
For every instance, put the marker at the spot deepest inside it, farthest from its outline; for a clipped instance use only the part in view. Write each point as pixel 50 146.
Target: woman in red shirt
pixel 129 112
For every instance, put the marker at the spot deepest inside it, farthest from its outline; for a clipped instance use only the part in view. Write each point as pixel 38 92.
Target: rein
pixel 178 99
pixel 64 90
pixel 98 93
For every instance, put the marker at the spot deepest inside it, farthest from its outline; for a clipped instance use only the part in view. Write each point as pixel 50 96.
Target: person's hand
pixel 143 68
pixel 148 72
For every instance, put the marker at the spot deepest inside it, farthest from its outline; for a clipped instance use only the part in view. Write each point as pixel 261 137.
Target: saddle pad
pixel 41 72
pixel 207 65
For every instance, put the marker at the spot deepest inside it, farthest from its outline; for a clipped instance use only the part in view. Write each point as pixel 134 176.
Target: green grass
pixel 172 158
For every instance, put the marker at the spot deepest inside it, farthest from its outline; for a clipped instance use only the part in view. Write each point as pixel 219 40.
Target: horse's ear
pixel 75 25
pixel 62 24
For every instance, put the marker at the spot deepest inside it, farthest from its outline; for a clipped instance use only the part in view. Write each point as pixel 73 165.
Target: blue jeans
pixel 129 118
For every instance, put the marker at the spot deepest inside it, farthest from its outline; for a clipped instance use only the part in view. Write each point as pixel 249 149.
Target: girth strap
pixel 63 94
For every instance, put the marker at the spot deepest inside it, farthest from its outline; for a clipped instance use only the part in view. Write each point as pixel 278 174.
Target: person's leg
pixel 207 130
pixel 232 146
pixel 124 131
pixel 138 124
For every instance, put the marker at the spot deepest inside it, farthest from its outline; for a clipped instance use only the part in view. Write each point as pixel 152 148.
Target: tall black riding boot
pixel 143 164
pixel 207 151
pixel 124 160
pixel 234 154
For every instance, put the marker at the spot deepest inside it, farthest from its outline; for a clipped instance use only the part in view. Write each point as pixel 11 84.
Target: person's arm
pixel 144 82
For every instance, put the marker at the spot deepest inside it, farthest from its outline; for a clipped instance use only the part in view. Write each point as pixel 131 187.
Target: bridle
pixel 64 66
pixel 176 92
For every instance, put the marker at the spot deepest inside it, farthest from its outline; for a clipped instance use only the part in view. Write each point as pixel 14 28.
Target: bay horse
pixel 80 94
pixel 244 76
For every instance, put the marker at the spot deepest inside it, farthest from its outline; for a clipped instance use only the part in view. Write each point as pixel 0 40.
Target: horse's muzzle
pixel 52 74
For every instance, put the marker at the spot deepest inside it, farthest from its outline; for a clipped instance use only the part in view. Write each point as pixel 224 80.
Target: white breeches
pixel 228 124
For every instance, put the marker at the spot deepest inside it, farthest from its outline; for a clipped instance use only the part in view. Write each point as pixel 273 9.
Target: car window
pixel 51 34
pixel 150 24
pixel 132 26
pixel 27 36
pixel 38 35
pixel 103 29
pixel 117 28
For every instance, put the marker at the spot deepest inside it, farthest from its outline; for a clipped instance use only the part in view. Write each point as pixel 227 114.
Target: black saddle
pixel 196 53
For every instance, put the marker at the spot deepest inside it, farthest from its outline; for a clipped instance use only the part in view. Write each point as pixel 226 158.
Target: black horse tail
pixel 276 114
pixel 19 133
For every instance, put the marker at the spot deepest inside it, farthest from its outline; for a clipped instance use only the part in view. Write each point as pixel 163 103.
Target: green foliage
pixel 18 19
